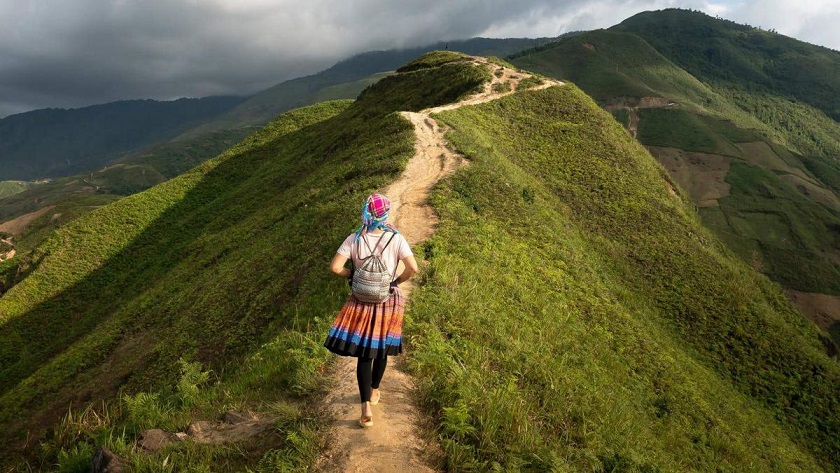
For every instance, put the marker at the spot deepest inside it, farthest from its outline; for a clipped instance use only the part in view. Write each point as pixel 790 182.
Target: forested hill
pixel 59 142
pixel 742 56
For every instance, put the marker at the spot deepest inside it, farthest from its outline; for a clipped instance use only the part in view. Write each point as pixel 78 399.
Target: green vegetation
pixel 529 82
pixel 57 142
pixel 611 65
pixel 9 188
pixel 433 59
pixel 501 87
pixel 415 90
pixel 780 226
pixel 217 266
pixel 710 86
pixel 688 131
pixel 606 329
pixel 177 157
pixel 747 58
pixel 617 67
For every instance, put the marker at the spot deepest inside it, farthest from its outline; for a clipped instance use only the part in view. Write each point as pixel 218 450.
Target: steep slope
pixel 575 315
pixel 772 205
pixel 51 143
pixel 223 265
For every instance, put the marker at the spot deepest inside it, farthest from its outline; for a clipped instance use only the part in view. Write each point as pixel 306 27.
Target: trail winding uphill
pixel 395 443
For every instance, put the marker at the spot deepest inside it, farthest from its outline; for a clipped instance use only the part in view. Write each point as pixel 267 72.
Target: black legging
pixel 368 377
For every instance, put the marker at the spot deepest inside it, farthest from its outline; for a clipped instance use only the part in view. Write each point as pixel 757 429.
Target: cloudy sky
pixel 72 53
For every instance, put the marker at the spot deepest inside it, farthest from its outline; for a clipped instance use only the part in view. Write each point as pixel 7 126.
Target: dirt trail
pixel 394 442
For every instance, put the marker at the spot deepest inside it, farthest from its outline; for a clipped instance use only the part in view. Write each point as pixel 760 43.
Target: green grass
pixel 688 131
pixel 575 316
pixel 217 266
pixel 433 59
pixel 419 85
pixel 768 219
pixel 10 188
pixel 749 58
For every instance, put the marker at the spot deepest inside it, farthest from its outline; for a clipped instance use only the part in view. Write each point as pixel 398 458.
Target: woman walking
pixel 369 326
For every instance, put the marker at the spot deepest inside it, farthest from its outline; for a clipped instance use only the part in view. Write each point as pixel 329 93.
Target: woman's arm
pixel 410 268
pixel 337 266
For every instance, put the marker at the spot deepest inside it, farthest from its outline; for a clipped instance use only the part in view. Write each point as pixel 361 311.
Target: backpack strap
pixel 371 251
pixel 358 247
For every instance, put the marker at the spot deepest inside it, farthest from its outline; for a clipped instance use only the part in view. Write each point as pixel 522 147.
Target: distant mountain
pixel 58 142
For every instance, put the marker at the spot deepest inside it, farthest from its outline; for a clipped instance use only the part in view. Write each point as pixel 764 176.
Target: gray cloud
pixel 69 53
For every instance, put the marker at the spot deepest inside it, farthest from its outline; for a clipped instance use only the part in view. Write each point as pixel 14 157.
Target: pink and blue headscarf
pixel 375 212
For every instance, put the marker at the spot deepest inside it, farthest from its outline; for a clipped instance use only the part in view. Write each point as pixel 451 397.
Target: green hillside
pixel 751 59
pixel 217 266
pixel 605 329
pixel 573 314
pixel 757 162
pixel 9 188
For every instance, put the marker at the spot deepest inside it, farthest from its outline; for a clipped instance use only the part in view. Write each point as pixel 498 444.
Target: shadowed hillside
pixel 57 142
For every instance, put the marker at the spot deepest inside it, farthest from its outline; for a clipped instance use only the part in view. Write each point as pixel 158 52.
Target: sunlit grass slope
pixel 575 315
pixel 223 266
pixel 788 232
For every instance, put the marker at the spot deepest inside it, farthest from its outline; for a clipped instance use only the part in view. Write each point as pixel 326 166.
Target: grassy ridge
pixel 576 316
pixel 223 266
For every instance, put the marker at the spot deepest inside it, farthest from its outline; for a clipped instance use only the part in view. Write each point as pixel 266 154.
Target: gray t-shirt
pixel 396 251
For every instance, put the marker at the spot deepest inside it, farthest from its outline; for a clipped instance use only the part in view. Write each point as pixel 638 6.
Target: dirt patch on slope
pixel 822 309
pixel 702 175
pixel 16 226
pixel 394 443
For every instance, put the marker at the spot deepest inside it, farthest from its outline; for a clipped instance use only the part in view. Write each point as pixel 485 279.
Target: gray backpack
pixel 372 281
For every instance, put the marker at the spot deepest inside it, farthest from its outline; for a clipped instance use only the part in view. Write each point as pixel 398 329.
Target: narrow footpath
pixel 394 443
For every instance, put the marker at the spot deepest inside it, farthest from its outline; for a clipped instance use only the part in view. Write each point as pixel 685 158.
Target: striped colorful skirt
pixel 368 330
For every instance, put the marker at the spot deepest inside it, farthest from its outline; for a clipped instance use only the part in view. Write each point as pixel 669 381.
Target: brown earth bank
pixel 822 309
pixel 17 225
